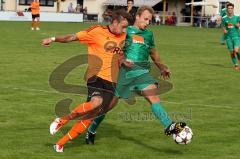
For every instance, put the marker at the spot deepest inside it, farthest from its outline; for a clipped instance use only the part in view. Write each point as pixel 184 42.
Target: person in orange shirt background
pixel 35 9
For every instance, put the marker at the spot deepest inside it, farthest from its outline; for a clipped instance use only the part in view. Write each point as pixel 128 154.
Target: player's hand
pixel 47 42
pixel 128 63
pixel 165 72
pixel 225 31
pixel 238 25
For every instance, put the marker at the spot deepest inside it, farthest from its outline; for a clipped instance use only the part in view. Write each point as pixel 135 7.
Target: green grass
pixel 206 94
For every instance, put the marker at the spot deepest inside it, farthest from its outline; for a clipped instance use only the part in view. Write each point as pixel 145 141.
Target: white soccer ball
pixel 184 137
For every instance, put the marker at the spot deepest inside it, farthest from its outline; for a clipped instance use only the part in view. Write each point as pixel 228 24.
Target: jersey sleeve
pixel 223 22
pixel 87 36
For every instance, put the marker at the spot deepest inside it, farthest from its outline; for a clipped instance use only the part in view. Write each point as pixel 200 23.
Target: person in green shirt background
pixel 222 14
pixel 231 24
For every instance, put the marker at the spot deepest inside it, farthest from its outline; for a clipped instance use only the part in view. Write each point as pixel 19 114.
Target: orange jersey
pixel 104 50
pixel 35 8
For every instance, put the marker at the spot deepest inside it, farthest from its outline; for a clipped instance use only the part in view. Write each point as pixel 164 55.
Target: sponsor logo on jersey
pixel 230 25
pixel 138 39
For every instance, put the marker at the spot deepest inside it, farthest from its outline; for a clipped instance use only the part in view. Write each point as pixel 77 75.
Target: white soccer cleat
pixel 37 28
pixel 32 28
pixel 55 126
pixel 58 148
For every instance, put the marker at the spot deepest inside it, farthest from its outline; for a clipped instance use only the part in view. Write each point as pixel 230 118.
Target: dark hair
pixel 230 4
pixel 130 1
pixel 120 15
pixel 143 8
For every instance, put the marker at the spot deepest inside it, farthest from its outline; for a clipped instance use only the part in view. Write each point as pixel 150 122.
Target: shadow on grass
pixel 111 131
pixel 215 65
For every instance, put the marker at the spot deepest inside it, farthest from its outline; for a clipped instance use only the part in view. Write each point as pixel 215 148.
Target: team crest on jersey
pixel 230 25
pixel 138 39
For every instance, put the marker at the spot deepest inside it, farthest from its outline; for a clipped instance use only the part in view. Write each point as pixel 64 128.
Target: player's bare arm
pixel 238 25
pixel 61 39
pixel 165 72
pixel 219 20
pixel 225 30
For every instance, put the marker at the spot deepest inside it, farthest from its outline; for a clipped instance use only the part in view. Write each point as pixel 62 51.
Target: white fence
pixel 44 16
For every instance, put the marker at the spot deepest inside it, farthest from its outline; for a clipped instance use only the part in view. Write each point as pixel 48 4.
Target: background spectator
pixel 70 8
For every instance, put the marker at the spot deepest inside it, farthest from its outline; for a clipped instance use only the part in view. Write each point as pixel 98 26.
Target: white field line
pixel 81 95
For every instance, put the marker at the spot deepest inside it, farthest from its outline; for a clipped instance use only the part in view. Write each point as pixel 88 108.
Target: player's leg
pixel 90 136
pixel 91 133
pixel 94 101
pixel 150 93
pixel 38 22
pixel 222 41
pixel 32 24
pixel 79 111
pixel 149 89
pixel 230 46
pixel 236 50
pixel 77 129
pixel 109 101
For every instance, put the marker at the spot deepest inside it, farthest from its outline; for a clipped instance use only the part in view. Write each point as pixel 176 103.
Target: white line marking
pixel 81 95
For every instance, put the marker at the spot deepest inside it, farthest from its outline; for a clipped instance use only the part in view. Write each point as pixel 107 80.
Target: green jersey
pixel 138 44
pixel 223 12
pixel 230 24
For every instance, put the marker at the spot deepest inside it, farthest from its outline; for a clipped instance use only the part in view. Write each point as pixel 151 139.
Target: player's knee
pixel 96 101
pixel 153 99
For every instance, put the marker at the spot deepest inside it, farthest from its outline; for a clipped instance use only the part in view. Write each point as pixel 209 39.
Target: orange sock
pixel 38 24
pixel 77 128
pixel 32 24
pixel 82 108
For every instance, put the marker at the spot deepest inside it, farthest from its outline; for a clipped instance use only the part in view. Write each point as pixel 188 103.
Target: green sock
pixel 238 56
pixel 222 39
pixel 96 122
pixel 234 59
pixel 161 114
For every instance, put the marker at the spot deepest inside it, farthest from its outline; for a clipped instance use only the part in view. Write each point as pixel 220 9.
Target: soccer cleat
pixel 174 128
pixel 55 126
pixel 58 148
pixel 90 138
pixel 32 28
pixel 37 28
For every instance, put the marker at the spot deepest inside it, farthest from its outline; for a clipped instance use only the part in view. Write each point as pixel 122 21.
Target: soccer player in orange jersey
pixel 35 9
pixel 104 51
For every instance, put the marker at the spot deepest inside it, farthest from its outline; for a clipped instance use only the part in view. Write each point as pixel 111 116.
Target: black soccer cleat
pixel 90 138
pixel 174 128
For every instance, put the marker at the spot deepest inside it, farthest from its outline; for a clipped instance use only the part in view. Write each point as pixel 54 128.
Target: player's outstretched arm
pixel 61 39
pixel 165 72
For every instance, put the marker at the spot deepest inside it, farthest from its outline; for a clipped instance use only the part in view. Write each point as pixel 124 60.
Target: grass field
pixel 206 95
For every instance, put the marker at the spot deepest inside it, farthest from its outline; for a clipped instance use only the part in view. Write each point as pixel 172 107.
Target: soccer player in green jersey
pixel 222 14
pixel 135 76
pixel 231 25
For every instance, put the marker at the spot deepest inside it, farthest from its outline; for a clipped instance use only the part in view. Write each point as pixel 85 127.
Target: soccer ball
pixel 184 137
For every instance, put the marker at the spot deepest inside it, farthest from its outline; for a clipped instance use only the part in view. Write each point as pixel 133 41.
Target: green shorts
pixel 233 43
pixel 128 84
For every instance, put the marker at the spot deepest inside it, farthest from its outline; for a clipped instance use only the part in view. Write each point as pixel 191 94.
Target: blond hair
pixel 143 8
